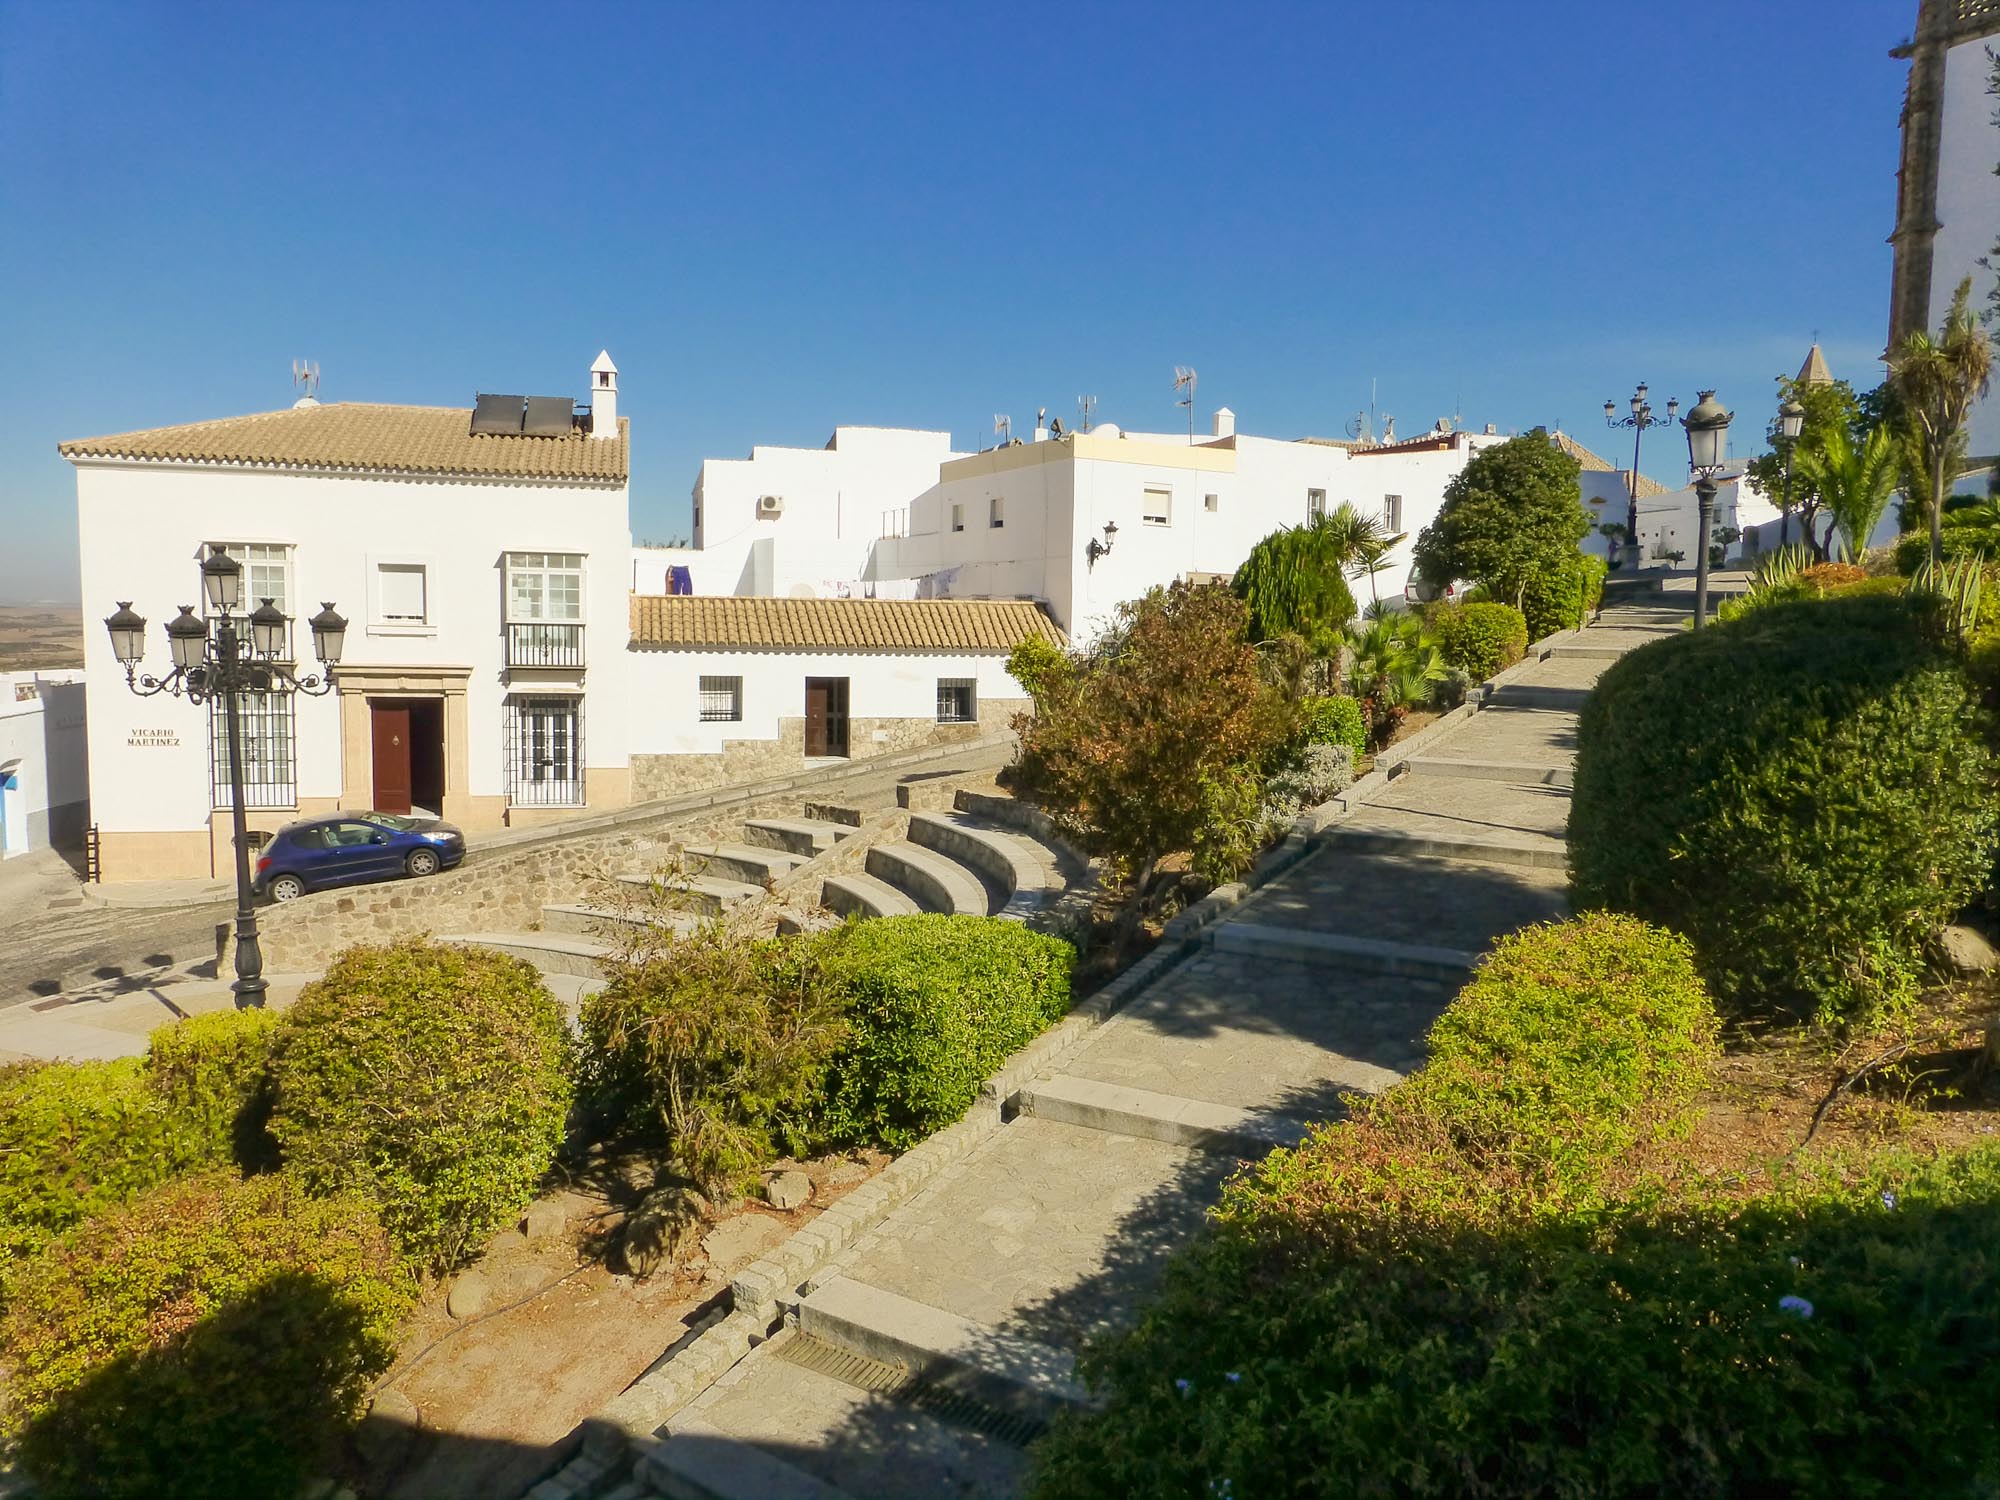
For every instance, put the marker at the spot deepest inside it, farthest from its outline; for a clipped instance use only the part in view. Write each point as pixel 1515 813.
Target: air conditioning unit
pixel 769 506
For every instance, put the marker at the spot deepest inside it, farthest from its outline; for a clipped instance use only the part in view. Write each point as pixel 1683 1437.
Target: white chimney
pixel 1225 422
pixel 603 396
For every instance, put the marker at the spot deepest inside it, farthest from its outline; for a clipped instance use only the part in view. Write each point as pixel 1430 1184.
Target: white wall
pixel 42 748
pixel 142 527
pixel 666 690
pixel 1968 204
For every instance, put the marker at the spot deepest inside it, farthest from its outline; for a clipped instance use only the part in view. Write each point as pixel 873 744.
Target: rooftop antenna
pixel 1004 425
pixel 305 372
pixel 1085 405
pixel 1184 378
pixel 1359 430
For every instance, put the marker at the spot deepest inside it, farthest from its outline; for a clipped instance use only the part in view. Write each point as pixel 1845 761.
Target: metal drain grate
pixel 896 1382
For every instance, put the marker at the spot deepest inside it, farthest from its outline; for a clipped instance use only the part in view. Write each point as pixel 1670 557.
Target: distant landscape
pixel 40 635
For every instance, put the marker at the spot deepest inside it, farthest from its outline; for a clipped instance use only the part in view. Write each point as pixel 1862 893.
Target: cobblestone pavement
pixel 985 1283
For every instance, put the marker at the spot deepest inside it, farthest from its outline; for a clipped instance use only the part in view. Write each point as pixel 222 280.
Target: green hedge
pixel 1479 639
pixel 1336 720
pixel 211 1338
pixel 934 1004
pixel 1806 792
pixel 1561 599
pixel 213 1073
pixel 1956 541
pixel 1501 1279
pixel 434 1077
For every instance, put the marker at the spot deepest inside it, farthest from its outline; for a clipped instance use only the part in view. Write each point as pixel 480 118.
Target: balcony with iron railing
pixel 545 644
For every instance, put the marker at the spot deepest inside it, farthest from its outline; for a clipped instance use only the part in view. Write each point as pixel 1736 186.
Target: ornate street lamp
pixel 1707 431
pixel 1642 417
pixel 1791 422
pixel 226 665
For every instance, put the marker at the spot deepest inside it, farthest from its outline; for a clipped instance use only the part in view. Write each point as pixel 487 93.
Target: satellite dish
pixel 1357 424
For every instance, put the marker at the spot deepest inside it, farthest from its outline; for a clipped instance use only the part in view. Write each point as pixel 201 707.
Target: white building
pixel 44 796
pixel 482 560
pixel 1947 196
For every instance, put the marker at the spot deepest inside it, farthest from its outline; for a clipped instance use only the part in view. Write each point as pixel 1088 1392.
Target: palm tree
pixel 1853 483
pixel 1360 541
pixel 1940 378
pixel 1392 668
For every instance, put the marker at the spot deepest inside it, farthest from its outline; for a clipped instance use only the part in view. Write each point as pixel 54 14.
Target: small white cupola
pixel 603 396
pixel 1225 422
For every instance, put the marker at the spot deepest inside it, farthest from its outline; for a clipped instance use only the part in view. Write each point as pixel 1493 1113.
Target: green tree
pixel 1293 583
pixel 1156 734
pixel 1853 481
pixel 1830 406
pixel 1941 376
pixel 1514 511
pixel 1362 541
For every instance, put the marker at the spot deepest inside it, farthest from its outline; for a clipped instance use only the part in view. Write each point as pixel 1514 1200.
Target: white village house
pixel 44 798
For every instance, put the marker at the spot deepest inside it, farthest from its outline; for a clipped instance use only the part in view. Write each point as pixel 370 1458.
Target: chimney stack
pixel 1225 422
pixel 603 396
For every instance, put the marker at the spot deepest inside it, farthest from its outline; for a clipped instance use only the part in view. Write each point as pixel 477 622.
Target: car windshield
pixel 393 820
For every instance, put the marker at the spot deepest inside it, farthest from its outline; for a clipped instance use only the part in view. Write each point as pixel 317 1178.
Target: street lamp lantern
pixel 1642 418
pixel 329 635
pixel 222 667
pixel 128 634
pixel 222 578
pixel 1708 436
pixel 1611 411
pixel 267 630
pixel 187 639
pixel 1791 420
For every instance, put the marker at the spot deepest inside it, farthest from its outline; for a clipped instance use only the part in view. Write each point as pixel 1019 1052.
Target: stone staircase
pixel 985 857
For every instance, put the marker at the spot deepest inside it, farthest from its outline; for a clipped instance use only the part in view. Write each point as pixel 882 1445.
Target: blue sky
pixel 783 217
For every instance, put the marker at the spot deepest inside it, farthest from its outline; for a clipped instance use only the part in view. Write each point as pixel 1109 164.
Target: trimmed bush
pixel 211 1338
pixel 1962 540
pixel 435 1078
pixel 1561 598
pixel 1818 800
pixel 213 1073
pixel 1334 720
pixel 934 1005
pixel 1480 639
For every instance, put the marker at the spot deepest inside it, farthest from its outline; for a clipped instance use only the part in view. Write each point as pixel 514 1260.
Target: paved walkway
pixel 924 1358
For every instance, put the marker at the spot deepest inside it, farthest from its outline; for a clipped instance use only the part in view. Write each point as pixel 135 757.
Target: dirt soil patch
pixel 499 1390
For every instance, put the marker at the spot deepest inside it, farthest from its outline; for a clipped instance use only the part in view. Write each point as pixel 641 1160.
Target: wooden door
pixel 816 705
pixel 391 725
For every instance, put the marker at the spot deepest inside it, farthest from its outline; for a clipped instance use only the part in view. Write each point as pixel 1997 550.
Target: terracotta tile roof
pixel 680 622
pixel 363 435
pixel 1587 460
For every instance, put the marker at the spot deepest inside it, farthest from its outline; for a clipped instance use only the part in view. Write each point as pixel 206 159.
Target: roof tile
pixel 679 622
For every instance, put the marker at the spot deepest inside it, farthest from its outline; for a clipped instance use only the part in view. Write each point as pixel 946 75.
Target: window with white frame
pixel 721 700
pixel 957 700
pixel 544 586
pixel 957 516
pixel 402 594
pixel 544 751
pixel 1157 506
pixel 996 515
pixel 1315 505
pixel 1392 512
pixel 270 766
pixel 267 574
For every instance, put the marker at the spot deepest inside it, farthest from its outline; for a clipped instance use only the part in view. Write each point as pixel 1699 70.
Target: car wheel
pixel 422 862
pixel 287 888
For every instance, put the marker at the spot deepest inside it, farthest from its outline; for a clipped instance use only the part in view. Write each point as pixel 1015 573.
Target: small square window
pixel 1315 505
pixel 402 593
pixel 1392 512
pixel 1158 509
pixel 995 514
pixel 721 700
pixel 957 516
pixel 1211 503
pixel 957 700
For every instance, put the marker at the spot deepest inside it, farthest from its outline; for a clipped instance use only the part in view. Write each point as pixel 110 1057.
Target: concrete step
pixel 1340 950
pixel 752 864
pixel 550 952
pixel 806 836
pixel 1002 1370
pixel 834 812
pixel 1534 695
pixel 703 894
pixel 1470 851
pixel 1158 1117
pixel 935 881
pixel 1520 773
pixel 702 1462
pixel 860 895
pixel 1024 875
pixel 582 920
pixel 1589 650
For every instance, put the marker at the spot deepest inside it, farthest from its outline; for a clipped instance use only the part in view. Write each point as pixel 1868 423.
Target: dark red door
pixel 391 722
pixel 816 701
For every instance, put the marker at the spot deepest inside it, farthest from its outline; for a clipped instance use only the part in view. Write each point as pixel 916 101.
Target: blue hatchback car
pixel 350 848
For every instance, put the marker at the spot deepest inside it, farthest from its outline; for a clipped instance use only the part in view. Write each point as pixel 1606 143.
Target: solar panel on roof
pixel 498 414
pixel 549 416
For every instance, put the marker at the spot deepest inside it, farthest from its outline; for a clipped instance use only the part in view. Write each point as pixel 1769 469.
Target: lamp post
pixel 225 665
pixel 1642 417
pixel 1707 432
pixel 1791 422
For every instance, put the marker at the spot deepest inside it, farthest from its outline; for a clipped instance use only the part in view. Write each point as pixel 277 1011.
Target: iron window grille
pixel 721 700
pixel 957 700
pixel 544 645
pixel 544 752
pixel 270 765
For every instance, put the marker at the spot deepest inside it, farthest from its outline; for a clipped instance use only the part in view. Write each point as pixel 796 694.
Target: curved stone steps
pixel 936 882
pixel 805 836
pixel 1026 874
pixel 751 864
pixel 550 952
pixel 705 894
pixel 579 919
pixel 860 895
